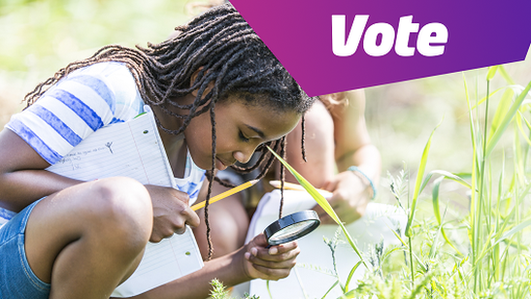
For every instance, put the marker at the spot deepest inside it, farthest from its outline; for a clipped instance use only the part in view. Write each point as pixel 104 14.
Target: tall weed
pixel 484 254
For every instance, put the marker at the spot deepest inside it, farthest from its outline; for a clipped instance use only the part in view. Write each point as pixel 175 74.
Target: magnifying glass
pixel 291 227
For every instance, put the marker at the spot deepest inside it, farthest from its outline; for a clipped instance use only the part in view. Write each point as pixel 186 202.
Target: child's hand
pixel 271 263
pixel 349 199
pixel 171 212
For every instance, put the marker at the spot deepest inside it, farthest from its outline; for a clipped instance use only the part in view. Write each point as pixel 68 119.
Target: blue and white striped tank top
pixel 78 105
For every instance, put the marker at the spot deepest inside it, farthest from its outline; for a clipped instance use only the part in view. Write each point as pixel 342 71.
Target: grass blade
pixel 506 120
pixel 505 76
pixel 492 72
pixel 310 189
pixel 418 182
pixel 436 211
pixel 454 177
pixel 319 198
pixel 514 230
pixel 351 274
pixel 503 107
pixel 330 289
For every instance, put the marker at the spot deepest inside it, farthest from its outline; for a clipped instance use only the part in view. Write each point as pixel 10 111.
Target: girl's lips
pixel 220 165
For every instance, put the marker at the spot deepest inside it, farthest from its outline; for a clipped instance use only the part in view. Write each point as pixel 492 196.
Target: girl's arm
pixel 22 176
pixel 253 260
pixel 351 189
pixel 353 143
pixel 24 180
pixel 337 136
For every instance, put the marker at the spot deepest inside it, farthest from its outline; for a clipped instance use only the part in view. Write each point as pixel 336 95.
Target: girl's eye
pixel 243 138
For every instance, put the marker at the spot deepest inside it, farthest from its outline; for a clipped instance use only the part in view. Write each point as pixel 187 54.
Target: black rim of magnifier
pixel 288 220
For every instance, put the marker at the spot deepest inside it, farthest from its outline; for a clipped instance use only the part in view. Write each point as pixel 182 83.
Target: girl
pixel 336 139
pixel 217 93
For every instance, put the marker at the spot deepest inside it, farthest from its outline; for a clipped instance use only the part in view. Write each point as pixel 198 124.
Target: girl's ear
pixel 192 79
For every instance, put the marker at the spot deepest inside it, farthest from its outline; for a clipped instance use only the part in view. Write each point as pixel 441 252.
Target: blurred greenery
pixel 402 115
pixel 47 34
pixel 40 36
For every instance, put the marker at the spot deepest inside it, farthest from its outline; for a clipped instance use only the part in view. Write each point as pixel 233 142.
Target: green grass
pixel 486 253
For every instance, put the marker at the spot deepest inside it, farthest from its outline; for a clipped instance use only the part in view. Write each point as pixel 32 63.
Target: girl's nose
pixel 243 156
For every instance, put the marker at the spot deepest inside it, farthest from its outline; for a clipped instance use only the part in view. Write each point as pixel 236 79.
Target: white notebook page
pixel 134 149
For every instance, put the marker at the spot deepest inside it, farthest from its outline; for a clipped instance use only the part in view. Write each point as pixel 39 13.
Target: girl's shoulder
pixel 75 107
pixel 118 82
pixel 110 72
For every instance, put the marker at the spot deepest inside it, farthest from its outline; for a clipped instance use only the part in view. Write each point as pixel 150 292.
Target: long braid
pixel 210 181
pixel 303 148
pixel 282 175
pixel 219 48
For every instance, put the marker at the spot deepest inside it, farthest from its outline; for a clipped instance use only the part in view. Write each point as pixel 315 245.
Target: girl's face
pixel 240 129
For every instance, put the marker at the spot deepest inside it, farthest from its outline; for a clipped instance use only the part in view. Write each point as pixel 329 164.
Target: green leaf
pixel 436 211
pixel 351 274
pixel 454 177
pixel 506 120
pixel 521 129
pixel 330 289
pixel 321 201
pixel 504 74
pixel 514 230
pixel 418 182
pixel 485 97
pixel 501 111
pixel 492 72
pixel 318 197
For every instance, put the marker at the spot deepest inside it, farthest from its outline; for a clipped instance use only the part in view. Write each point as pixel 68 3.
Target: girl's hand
pixel 350 196
pixel 171 212
pixel 271 263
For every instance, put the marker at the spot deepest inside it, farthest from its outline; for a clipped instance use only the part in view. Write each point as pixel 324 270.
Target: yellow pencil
pixel 297 187
pixel 287 186
pixel 225 194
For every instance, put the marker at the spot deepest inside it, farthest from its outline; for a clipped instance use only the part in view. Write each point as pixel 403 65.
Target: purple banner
pixel 339 45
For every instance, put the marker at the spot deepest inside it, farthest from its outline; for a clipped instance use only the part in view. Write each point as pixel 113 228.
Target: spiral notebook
pixel 134 149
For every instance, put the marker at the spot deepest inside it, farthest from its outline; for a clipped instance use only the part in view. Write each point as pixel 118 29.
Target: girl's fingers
pixel 283 264
pixel 285 247
pixel 277 252
pixel 260 240
pixel 281 259
pixel 272 274
pixel 192 219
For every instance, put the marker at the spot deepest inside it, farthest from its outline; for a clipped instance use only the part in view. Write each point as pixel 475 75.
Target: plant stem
pixel 411 263
pixel 480 201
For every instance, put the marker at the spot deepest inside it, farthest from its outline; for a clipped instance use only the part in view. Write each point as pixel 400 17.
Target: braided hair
pixel 222 51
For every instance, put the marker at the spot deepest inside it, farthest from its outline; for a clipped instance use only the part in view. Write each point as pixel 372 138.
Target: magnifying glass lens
pixel 291 227
pixel 291 231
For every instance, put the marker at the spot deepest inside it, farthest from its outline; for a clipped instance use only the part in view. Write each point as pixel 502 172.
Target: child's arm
pixel 22 176
pixel 24 180
pixel 253 260
pixel 352 190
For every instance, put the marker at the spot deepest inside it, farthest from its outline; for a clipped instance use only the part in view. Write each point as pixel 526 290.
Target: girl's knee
pixel 111 216
pixel 121 207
